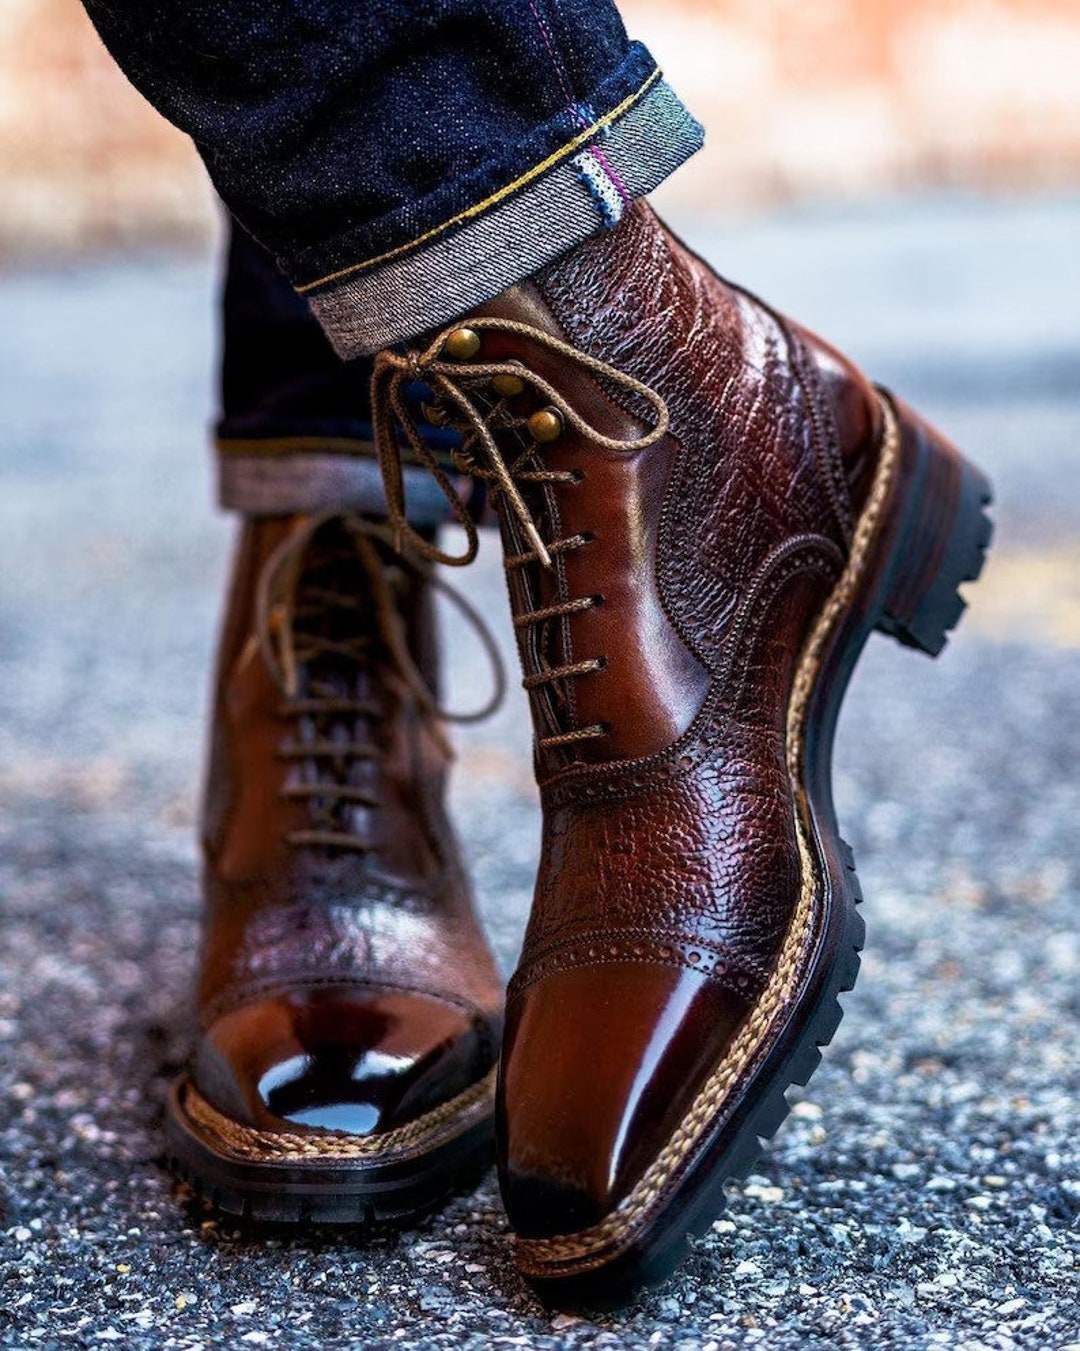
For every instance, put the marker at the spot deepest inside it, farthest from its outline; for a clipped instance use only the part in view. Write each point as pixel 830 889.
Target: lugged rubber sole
pixel 391 1187
pixel 931 536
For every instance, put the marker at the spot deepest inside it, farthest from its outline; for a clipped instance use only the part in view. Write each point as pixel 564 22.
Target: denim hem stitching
pixel 469 213
pixel 463 268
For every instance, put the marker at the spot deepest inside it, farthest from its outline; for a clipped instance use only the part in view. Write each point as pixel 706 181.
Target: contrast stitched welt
pixel 589 1248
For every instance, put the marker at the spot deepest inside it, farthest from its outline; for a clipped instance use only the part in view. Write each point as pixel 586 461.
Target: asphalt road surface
pixel 925 1191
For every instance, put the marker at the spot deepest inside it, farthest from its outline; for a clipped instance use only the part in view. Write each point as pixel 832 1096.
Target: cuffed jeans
pixel 406 160
pixel 402 161
pixel 294 430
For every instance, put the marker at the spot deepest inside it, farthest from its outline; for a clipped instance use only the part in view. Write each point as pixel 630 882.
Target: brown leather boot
pixel 706 512
pixel 349 1007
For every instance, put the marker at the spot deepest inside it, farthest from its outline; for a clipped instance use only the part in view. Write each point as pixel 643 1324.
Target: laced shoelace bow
pixel 284 599
pixel 465 393
pixel 451 381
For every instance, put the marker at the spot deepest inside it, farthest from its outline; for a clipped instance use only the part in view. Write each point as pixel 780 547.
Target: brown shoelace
pixel 291 600
pixel 466 397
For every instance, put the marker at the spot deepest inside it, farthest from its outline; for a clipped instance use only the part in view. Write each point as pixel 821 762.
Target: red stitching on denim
pixel 560 70
pixel 602 160
pixel 576 112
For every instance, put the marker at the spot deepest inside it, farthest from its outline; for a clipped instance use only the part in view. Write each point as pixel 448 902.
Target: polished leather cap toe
pixel 600 1065
pixel 351 1059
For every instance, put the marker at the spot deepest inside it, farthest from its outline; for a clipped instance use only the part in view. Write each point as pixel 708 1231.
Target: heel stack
pixel 942 533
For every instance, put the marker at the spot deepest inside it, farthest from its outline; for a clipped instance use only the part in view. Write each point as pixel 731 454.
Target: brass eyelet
pixel 546 425
pixel 433 415
pixel 509 386
pixel 463 461
pixel 462 344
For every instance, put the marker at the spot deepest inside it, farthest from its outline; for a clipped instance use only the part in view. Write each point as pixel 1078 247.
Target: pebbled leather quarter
pixel 715 512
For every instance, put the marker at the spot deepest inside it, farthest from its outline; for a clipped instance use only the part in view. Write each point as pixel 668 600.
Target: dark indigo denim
pixel 294 425
pixel 280 377
pixel 338 130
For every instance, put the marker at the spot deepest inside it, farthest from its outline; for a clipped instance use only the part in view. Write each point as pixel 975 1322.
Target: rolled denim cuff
pixel 582 187
pixel 307 475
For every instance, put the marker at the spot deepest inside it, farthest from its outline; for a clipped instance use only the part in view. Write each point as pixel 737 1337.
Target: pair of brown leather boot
pixel 705 512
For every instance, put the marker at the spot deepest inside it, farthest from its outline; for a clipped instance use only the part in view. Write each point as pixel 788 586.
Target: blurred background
pixel 903 175
pixel 838 98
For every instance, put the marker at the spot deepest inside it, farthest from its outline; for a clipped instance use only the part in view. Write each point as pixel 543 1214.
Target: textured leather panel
pixel 749 474
pixel 697 843
pixel 709 853
pixel 698 839
pixel 723 540
pixel 677 868
pixel 370 932
pixel 852 413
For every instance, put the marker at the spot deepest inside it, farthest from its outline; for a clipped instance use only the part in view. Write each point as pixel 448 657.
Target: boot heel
pixel 941 537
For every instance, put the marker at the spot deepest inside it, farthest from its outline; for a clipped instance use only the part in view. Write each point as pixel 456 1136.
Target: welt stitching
pixel 397 1143
pixel 540 1254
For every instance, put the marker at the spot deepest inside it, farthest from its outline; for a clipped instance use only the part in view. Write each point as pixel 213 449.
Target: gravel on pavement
pixel 925 1191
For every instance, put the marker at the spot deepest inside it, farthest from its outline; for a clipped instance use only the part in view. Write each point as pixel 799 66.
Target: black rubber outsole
pixel 919 612
pixel 290 1210
pixel 330 1192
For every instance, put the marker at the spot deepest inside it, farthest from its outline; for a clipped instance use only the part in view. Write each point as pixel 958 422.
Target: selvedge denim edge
pixel 584 187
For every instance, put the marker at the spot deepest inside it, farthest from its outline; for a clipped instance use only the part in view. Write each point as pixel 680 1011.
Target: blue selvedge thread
pixel 595 174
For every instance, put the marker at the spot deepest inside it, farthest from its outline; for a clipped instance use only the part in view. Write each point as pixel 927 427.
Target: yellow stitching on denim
pixel 471 211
